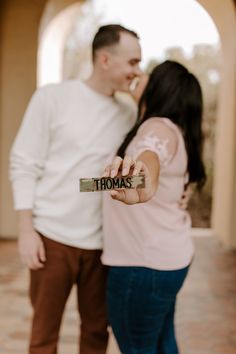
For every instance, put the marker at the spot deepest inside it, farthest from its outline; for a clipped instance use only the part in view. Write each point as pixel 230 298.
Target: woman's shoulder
pixel 158 135
pixel 158 122
pixel 160 126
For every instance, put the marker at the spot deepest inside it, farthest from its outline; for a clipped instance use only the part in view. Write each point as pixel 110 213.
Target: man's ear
pixel 104 59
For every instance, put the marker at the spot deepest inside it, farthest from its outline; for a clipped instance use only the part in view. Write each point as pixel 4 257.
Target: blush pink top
pixel 154 234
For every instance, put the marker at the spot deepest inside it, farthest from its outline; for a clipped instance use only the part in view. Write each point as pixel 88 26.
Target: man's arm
pixel 27 160
pixel 29 151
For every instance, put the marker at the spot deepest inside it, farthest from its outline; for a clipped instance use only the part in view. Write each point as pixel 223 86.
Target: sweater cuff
pixel 23 194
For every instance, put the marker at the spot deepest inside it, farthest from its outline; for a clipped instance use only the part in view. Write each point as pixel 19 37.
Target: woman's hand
pixel 125 167
pixel 139 87
pixel 186 196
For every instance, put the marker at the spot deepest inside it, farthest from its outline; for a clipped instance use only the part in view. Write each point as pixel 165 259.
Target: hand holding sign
pixel 127 167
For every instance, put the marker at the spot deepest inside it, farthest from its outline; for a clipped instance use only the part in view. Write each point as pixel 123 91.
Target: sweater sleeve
pixel 29 151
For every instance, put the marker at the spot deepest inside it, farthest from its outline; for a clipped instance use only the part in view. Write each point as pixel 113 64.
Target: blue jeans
pixel 141 305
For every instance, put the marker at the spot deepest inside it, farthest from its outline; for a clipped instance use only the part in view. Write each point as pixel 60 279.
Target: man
pixel 68 132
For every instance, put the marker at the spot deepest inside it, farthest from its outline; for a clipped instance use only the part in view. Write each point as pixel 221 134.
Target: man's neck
pixel 99 84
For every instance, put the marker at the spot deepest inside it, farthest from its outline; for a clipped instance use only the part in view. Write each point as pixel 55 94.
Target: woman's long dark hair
pixel 173 92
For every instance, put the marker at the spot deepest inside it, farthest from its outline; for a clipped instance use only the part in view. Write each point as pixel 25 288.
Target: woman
pixel 146 235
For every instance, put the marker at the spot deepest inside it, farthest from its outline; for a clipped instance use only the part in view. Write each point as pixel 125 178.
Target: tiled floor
pixel 206 312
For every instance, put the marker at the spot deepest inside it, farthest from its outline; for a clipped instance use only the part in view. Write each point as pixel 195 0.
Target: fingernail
pixel 112 173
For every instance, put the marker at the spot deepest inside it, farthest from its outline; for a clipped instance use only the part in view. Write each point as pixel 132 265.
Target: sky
pixel 161 23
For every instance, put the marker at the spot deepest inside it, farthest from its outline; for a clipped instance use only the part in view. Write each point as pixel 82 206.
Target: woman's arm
pixel 153 148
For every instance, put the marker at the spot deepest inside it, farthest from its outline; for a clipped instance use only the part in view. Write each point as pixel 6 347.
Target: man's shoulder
pixel 58 88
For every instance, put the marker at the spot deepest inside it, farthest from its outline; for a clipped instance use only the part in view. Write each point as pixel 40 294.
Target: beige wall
pixel 19 31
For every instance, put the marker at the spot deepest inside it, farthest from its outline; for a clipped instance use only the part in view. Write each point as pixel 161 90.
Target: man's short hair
pixel 109 35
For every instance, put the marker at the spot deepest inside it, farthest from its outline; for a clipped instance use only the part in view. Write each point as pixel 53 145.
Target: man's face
pixel 123 63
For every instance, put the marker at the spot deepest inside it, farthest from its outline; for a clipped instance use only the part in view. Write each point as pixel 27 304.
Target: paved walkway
pixel 206 312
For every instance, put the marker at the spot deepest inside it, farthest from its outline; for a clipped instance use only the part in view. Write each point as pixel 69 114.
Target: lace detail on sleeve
pixel 153 143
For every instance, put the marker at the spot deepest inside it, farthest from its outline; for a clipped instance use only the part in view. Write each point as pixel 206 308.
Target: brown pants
pixel 49 291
